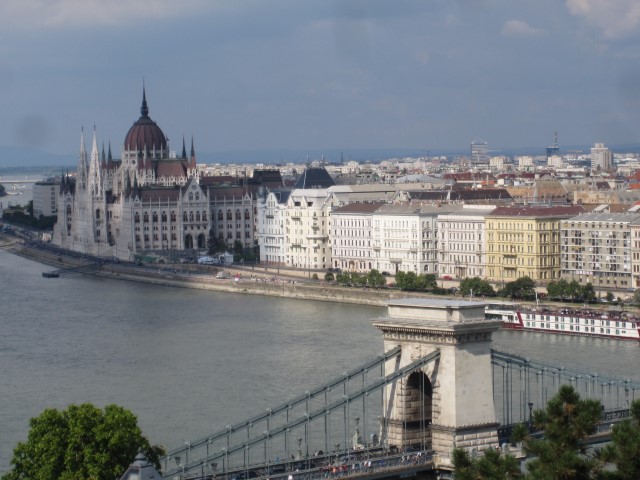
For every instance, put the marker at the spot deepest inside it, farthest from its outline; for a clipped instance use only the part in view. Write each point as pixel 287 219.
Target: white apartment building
pixel 601 158
pixel 462 242
pixel 45 198
pixel 270 226
pixel 405 237
pixel 525 163
pixel 307 229
pixel 352 236
pixel 596 248
pixel 555 161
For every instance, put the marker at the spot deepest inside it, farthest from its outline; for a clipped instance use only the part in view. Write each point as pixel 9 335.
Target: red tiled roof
pixel 160 194
pixel 171 168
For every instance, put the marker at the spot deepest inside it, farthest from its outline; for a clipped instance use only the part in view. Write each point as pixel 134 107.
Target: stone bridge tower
pixel 447 403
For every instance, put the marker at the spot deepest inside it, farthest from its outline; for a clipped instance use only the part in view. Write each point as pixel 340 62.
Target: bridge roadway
pixel 365 464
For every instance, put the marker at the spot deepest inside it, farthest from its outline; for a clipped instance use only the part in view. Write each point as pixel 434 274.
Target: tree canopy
pixel 523 288
pixel 80 442
pixel 561 453
pixel 477 286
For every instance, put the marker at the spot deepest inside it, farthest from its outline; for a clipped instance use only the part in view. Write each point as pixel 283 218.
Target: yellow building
pixel 525 242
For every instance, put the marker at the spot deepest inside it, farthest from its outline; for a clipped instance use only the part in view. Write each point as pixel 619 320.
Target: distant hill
pixel 25 157
pixel 32 157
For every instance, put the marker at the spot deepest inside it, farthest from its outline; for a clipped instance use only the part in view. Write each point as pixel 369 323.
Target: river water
pixel 190 361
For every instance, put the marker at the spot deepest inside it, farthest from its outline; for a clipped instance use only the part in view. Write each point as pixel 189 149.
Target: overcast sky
pixel 315 74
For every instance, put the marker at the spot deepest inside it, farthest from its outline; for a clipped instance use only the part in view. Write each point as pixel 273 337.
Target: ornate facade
pixel 150 199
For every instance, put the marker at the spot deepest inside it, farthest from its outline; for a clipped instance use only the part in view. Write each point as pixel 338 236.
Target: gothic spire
pixel 82 163
pixel 192 160
pixel 144 110
pixel 184 149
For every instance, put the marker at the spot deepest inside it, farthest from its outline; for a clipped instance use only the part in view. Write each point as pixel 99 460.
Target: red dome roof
pixel 145 134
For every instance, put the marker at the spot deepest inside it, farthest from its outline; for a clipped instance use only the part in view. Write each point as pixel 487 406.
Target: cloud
pixel 518 28
pixel 614 18
pixel 91 13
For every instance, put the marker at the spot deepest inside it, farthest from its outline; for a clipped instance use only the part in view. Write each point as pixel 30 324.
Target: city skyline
pixel 311 76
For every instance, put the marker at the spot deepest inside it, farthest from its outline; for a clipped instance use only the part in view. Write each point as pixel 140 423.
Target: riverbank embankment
pixel 242 280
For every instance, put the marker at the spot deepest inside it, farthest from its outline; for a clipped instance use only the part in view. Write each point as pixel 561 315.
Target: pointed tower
pixel 184 149
pixel 192 158
pixel 95 173
pixel 81 175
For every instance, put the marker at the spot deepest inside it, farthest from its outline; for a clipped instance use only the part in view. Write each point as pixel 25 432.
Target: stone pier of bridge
pixel 447 403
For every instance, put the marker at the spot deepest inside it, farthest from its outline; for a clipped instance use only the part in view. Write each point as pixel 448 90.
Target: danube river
pixel 189 361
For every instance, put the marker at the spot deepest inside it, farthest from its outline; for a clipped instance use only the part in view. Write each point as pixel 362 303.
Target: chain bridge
pixel 439 385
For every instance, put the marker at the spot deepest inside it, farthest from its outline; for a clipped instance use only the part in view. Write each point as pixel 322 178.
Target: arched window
pixel 229 215
pixel 220 215
pixel 197 216
pixel 136 218
pixel 238 215
pixel 247 214
pixel 204 216
pixel 173 216
pixel 98 214
pixel 185 217
pixel 145 218
pixel 191 216
pixel 155 216
pixel 164 216
pixel 68 209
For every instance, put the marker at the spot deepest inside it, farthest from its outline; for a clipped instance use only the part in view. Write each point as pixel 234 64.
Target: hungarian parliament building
pixel 151 199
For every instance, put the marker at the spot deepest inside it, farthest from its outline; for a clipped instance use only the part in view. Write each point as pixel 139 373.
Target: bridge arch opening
pixel 418 410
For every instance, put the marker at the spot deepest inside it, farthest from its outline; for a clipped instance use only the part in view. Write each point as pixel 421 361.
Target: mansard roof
pixel 160 194
pixel 363 208
pixel 314 177
pixel 171 168
pixel 538 211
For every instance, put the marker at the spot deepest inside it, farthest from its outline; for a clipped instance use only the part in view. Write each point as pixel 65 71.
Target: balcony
pixel 295 215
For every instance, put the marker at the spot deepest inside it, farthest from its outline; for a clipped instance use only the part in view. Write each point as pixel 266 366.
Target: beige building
pixel 45 198
pixel 405 237
pixel 352 237
pixel 461 242
pixel 525 241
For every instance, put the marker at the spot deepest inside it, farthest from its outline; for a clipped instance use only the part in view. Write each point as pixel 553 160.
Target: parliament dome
pixel 145 134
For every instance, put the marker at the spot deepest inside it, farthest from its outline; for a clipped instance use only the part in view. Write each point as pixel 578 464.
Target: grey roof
pixel 410 209
pixel 141 469
pixel 315 177
pixel 606 217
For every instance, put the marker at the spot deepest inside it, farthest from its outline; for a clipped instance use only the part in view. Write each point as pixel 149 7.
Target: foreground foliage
pixel 81 442
pixel 560 454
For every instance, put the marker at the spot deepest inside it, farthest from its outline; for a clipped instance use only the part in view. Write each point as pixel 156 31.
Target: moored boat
pixel 569 321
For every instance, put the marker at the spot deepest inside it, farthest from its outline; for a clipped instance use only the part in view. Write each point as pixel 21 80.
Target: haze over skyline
pixel 317 74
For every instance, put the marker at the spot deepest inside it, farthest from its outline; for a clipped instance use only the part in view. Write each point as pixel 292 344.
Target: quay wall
pixel 188 276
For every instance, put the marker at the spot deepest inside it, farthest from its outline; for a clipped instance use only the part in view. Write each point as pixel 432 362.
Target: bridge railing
pixel 353 404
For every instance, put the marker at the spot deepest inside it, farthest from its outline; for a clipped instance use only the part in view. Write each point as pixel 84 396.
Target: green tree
pixel 523 288
pixel 476 285
pixel 407 281
pixel 427 281
pixel 490 466
pixel 328 277
pixel 559 454
pixel 343 278
pixel 375 279
pixel 624 449
pixel 588 293
pixel 81 442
